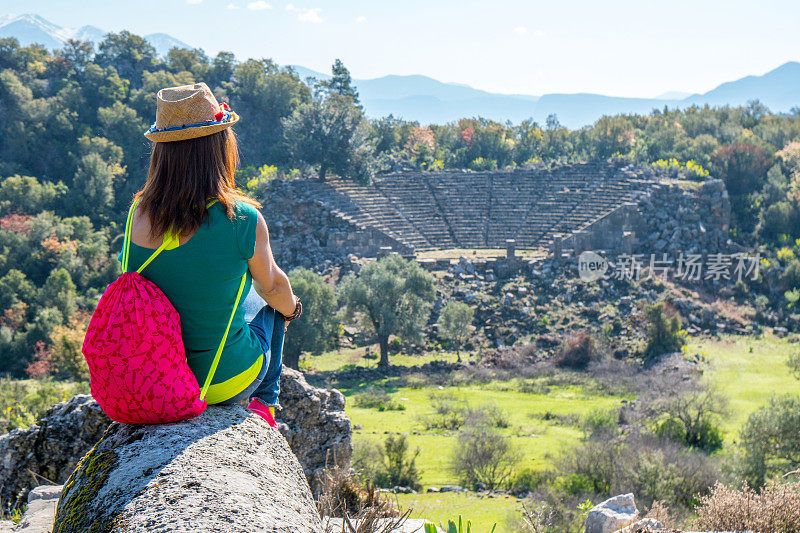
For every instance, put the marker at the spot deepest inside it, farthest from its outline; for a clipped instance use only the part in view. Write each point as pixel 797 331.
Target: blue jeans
pixel 268 326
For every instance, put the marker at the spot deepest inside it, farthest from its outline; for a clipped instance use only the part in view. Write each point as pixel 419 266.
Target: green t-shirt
pixel 201 278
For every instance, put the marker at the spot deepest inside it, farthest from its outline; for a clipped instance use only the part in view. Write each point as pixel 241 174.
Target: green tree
pixel 15 287
pixel 264 90
pixel 58 292
pixel 455 324
pixel 316 329
pixel 92 188
pixel 664 332
pixel 332 134
pixel 770 440
pixel 340 82
pixel 194 61
pixel 396 296
pixel 26 195
pixel 129 54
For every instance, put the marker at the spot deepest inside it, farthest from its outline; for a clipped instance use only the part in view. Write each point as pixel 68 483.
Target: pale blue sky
pixel 616 47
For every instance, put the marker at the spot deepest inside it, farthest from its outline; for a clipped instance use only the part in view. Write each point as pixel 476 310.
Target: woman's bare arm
pixel 269 281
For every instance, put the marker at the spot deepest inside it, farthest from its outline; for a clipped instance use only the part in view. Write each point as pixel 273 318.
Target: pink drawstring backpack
pixel 135 353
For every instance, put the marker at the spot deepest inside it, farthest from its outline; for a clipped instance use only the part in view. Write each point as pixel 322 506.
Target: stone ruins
pixel 561 210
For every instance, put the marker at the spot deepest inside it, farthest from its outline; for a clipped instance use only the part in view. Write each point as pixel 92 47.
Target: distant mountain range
pixel 428 100
pixel 29 29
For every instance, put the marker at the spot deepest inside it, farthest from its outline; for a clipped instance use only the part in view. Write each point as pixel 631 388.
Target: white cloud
pixel 193 1
pixel 307 15
pixel 232 6
pixel 539 33
pixel 361 19
pixel 310 15
pixel 520 30
pixel 258 5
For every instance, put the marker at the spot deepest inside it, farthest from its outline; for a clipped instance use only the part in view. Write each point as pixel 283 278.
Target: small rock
pixel 612 514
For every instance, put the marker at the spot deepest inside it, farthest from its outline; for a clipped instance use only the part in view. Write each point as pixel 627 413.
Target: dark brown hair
pixel 185 176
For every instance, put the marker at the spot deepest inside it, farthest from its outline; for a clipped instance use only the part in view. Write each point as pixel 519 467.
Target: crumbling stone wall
pixel 669 218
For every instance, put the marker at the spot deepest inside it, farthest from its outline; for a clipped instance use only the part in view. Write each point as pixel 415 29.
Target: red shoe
pixel 265 412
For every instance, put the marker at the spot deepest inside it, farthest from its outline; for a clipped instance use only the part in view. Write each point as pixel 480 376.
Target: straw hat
pixel 188 112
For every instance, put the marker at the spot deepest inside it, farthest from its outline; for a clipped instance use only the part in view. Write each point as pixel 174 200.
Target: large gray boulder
pixel 315 425
pixel 312 420
pixel 48 451
pixel 225 470
pixel 611 515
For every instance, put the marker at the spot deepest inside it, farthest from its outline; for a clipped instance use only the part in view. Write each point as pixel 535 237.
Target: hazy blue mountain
pixel 425 99
pixel 778 89
pixel 163 42
pixel 428 100
pixel 30 29
pixel 673 95
pixel 576 110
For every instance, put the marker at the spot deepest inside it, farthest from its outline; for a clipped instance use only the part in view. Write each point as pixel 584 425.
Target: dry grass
pixel 775 508
pixel 537 518
pixel 363 510
pixel 659 511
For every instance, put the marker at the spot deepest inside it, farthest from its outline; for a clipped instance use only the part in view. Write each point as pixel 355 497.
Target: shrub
pixel 664 332
pixel 490 415
pixel 527 479
pixel 22 402
pixel 577 351
pixel 367 459
pixel 601 422
pixel 775 508
pixel 483 456
pixel 373 398
pixel 651 469
pixel 770 440
pixel 794 364
pixel 449 412
pixel 482 163
pixel 399 465
pixel 342 496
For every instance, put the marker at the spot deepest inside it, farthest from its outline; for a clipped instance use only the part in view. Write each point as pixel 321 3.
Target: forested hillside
pixel 72 154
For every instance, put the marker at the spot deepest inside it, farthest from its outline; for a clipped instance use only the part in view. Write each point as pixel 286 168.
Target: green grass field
pixel 748 370
pixel 538 440
pixel 482 511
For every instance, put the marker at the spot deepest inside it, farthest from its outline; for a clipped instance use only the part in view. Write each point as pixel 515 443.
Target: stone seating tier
pixel 435 211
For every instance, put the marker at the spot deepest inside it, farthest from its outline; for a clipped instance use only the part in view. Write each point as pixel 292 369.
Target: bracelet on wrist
pixel 298 310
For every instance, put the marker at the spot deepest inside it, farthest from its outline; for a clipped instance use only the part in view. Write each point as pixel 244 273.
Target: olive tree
pixel 395 295
pixel 315 330
pixel 455 324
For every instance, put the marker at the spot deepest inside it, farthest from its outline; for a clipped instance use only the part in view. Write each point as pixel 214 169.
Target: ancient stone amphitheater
pixel 439 211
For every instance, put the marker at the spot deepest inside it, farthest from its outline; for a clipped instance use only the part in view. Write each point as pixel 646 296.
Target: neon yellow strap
pixel 222 342
pixel 169 241
pixel 126 240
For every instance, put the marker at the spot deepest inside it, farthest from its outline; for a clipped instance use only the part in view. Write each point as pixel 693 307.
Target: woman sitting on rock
pixel 213 236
